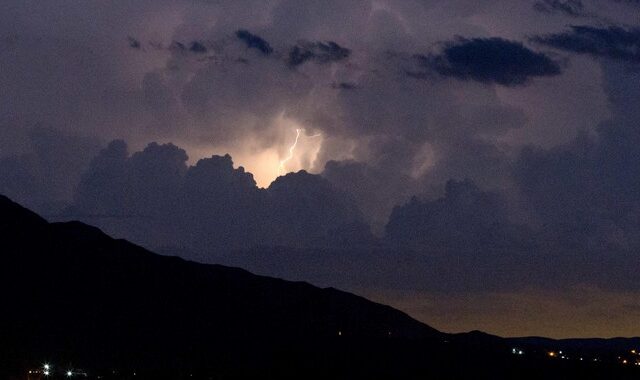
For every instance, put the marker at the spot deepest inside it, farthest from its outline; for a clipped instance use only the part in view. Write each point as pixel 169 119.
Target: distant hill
pixel 587 348
pixel 77 298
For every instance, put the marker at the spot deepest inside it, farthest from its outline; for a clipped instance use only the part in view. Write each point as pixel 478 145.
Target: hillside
pixel 80 299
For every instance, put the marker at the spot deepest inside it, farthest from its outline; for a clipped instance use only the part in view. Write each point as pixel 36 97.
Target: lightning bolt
pixel 292 149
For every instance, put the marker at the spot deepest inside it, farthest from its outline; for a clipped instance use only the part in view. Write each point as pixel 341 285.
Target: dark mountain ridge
pixel 75 297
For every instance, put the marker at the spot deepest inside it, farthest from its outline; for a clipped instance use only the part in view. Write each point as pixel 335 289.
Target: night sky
pixel 473 163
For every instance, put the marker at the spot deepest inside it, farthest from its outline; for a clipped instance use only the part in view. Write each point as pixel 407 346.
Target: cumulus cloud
pixel 358 178
pixel 586 191
pixel 254 41
pixel 153 197
pixel 584 194
pixel 490 60
pixel 465 215
pixel 612 42
pixel 299 209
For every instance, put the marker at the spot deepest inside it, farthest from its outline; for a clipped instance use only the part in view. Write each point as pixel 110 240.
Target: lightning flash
pixel 292 149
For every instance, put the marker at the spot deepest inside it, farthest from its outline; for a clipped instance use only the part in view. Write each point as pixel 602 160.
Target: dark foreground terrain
pixel 83 302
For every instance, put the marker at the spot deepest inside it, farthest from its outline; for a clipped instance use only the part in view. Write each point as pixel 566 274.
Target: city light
pixel 69 373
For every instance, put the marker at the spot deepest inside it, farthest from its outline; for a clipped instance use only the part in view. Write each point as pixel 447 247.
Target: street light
pixel 47 369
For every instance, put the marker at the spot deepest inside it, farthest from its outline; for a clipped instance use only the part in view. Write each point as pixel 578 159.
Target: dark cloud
pixel 193 47
pixel 358 178
pixel 153 197
pixel 18 180
pixel 177 46
pixel 319 52
pixel 254 41
pixel 133 43
pixel 585 195
pixel 465 217
pixel 466 239
pixel 469 243
pixel 44 178
pixel 573 8
pixel 590 187
pixel 490 60
pixel 344 86
pixel 220 207
pixel 131 195
pixel 106 171
pixel 299 207
pixel 197 47
pixel 612 42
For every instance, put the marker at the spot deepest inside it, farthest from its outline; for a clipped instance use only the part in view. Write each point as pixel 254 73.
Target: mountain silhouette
pixel 77 298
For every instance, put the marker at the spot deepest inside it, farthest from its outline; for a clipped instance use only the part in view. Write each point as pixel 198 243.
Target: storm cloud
pixel 154 198
pixel 429 123
pixel 491 60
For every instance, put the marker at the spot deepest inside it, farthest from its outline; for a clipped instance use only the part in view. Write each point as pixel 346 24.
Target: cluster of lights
pixel 621 360
pixel 46 370
pixel 558 354
pixel 637 353
pixel 635 362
